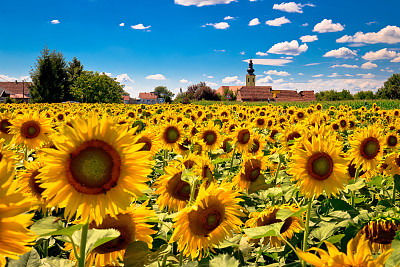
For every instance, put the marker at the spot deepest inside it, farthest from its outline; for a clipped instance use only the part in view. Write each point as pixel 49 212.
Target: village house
pixel 251 92
pixel 149 98
pixel 18 91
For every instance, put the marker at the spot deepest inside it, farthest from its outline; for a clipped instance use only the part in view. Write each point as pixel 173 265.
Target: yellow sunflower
pixel 174 193
pixel 392 141
pixel 205 169
pixel 29 184
pixel 251 169
pixel 15 238
pixel 31 130
pixel 367 147
pixel 242 138
pixel 358 254
pixel 132 226
pixel 290 226
pixel 319 167
pixel 171 134
pixel 393 163
pixel 258 144
pixel 214 216
pixel 96 168
pixel 150 141
pixel 5 123
pixel 210 137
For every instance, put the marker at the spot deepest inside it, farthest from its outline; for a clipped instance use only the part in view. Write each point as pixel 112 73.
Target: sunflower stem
pixel 165 158
pixel 306 229
pixel 192 192
pixel 82 247
pixel 74 247
pixel 277 171
pixel 353 194
pixel 180 258
pixel 164 260
pixel 26 154
pixel 233 156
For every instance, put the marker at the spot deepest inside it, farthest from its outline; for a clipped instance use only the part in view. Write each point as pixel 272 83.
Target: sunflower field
pixel 194 185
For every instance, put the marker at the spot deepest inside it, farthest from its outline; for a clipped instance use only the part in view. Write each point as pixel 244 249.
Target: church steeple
pixel 250 77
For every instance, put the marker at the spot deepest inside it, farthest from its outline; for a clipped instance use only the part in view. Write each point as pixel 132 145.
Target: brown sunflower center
pixel 343 123
pixel 335 126
pixel 391 140
pixel 171 134
pixel 210 137
pixel 34 184
pixel 370 148
pixel 293 136
pixel 30 129
pixel 252 170
pixel 243 136
pixel 397 160
pixel 226 146
pixel 178 189
pixel 5 126
pixel 205 220
pixel 255 147
pixel 126 227
pixel 300 115
pixel 146 143
pixel 189 164
pixel 94 167
pixel 273 133
pixel 260 122
pixel 381 232
pixel 320 166
pixel 207 173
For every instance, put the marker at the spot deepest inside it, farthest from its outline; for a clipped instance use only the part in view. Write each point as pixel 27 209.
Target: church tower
pixel 250 77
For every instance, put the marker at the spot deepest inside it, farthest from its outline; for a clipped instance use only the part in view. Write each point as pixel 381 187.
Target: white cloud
pixel 397 59
pixel 304 24
pixel 380 54
pixel 287 48
pixel 265 80
pixel 368 65
pixel 219 25
pixel 345 66
pixel 269 62
pixel 123 78
pixel 183 81
pixel 254 22
pixel 242 53
pixel 371 22
pixel 327 26
pixel 210 77
pixel 387 69
pixel 291 7
pixel 311 64
pixel 317 75
pixel 55 21
pixel 211 84
pixel 277 22
pixel 221 50
pixel 388 35
pixel 333 75
pixel 156 77
pixel 229 18
pixel 308 38
pixel 140 26
pixel 263 54
pixel 107 73
pixel 230 80
pixel 301 74
pixel 201 3
pixel 122 24
pixel 342 52
pixel 5 78
pixel 367 76
pixel 278 73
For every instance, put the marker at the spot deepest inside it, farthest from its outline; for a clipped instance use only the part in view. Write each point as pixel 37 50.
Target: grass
pixel 355 104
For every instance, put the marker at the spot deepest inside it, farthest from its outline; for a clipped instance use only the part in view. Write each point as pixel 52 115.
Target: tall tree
pixel 74 70
pixel 49 77
pixel 162 91
pixel 391 88
pixel 92 87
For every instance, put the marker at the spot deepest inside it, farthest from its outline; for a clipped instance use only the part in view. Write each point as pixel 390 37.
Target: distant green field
pixel 384 104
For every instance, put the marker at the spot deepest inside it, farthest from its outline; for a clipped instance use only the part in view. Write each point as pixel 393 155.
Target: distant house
pixel 149 98
pixel 128 100
pixel 252 92
pixel 15 90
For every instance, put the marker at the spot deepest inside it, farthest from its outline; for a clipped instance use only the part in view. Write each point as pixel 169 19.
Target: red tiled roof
pixel 254 93
pixel 15 88
pixel 147 96
pixel 234 89
pixel 18 96
pixel 126 97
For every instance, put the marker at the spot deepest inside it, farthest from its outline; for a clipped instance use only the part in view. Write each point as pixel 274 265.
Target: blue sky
pixel 301 45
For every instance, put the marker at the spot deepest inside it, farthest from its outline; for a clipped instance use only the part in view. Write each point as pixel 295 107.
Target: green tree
pixel 162 91
pixel 391 88
pixel 49 77
pixel 74 70
pixel 92 87
pixel 364 95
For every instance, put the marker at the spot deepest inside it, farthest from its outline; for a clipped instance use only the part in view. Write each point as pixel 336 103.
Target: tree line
pixel 54 80
pixel 389 90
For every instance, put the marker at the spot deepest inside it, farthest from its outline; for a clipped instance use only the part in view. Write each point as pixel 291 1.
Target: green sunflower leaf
pixel 264 231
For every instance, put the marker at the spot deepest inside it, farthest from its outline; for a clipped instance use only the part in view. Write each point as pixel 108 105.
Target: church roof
pixel 254 93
